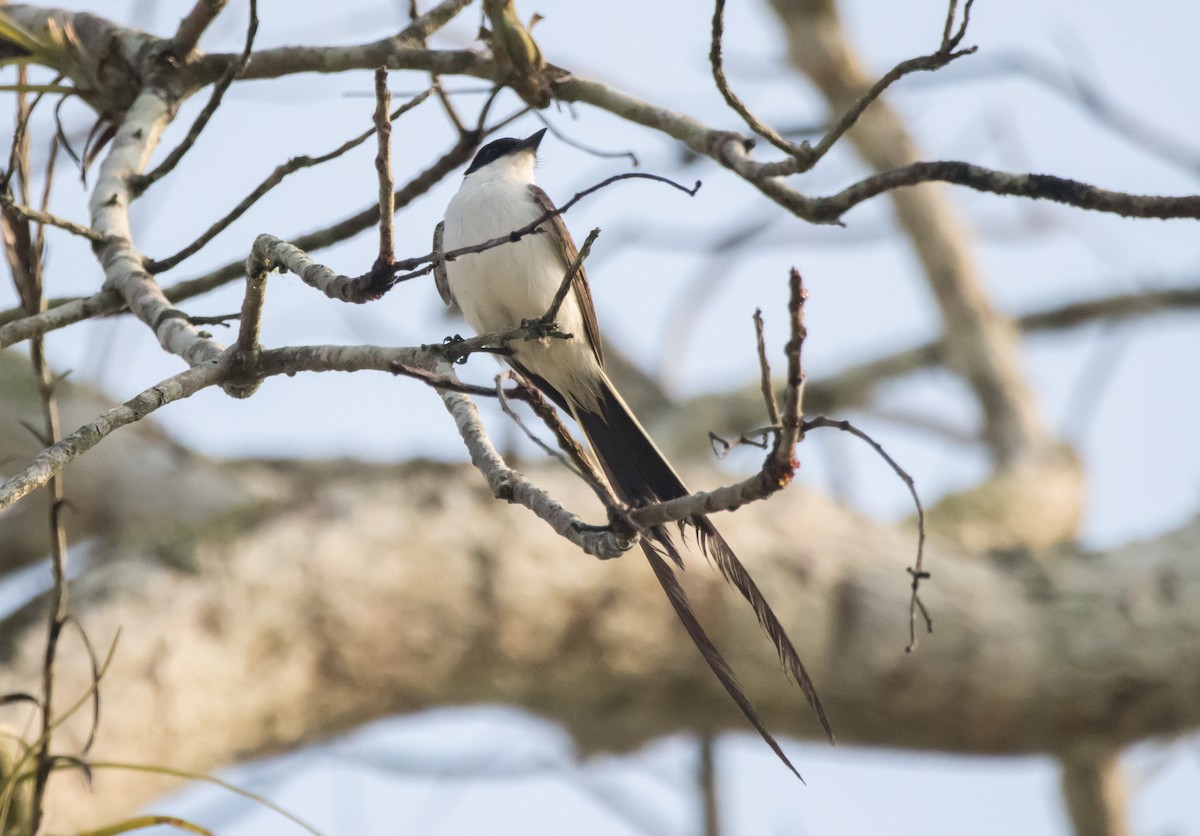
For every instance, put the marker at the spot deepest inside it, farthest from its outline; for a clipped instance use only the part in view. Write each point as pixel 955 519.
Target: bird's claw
pixel 456 357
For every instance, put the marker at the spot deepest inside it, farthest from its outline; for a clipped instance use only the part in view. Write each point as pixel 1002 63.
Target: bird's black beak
pixel 531 142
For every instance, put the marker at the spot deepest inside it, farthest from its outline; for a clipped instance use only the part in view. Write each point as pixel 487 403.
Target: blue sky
pixel 1127 396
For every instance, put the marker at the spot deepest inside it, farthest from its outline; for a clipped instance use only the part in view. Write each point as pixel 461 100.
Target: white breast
pixel 499 288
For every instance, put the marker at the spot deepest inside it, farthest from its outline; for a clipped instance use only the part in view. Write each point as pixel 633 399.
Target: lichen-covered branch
pixel 981 341
pixel 54 458
pixel 122 262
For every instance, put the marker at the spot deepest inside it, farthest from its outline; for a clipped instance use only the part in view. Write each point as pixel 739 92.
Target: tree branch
pixel 276 177
pixel 1094 790
pixel 139 182
pixel 54 458
pixel 194 24
pixel 109 205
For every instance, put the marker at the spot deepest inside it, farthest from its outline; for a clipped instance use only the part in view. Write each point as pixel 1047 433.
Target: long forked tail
pixel 641 474
pixel 678 598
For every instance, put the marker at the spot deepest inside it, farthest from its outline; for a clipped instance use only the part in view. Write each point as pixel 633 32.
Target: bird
pixel 499 289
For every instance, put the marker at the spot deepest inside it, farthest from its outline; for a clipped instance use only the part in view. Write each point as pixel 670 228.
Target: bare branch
pixel 917 571
pixel 192 27
pixel 395 53
pixel 569 277
pixel 109 206
pixel 425 25
pixel 509 485
pixel 383 166
pixel 142 182
pixel 718 72
pixel 1094 790
pixel 1080 90
pixel 439 382
pixel 276 177
pixel 780 464
pixel 764 367
pixel 54 458
pixel 1036 186
pixel 566 138
pixel 70 311
pixel 46 219
pixel 275 253
pixel 529 229
pixel 731 150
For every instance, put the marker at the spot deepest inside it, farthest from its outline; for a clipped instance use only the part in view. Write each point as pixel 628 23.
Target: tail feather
pixel 714 546
pixel 635 466
pixel 641 474
pixel 679 602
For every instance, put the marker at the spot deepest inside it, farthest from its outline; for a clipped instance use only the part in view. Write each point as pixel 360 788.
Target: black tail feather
pixel 678 598
pixel 715 547
pixel 641 474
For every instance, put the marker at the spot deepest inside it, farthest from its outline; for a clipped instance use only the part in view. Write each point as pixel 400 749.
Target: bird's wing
pixel 583 296
pixel 440 279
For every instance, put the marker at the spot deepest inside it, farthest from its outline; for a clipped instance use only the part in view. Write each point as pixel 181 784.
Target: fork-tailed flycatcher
pixel 500 288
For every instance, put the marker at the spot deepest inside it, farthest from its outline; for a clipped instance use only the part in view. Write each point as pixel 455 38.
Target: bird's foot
pixel 449 346
pixel 542 328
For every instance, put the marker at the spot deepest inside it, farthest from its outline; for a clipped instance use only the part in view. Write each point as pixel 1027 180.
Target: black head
pixel 504 147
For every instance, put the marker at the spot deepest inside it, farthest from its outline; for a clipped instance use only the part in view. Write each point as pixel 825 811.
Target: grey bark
pixel 365 591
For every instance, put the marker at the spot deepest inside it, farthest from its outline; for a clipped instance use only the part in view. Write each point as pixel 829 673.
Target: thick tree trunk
pixel 370 591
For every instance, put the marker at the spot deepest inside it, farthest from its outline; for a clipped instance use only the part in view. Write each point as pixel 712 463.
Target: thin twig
pixel 917 571
pixel 780 464
pixel 1080 90
pixel 717 63
pixel 46 219
pixel 568 280
pixel 20 137
pixel 25 249
pixel 448 106
pixel 951 13
pixel 587 149
pixel 528 229
pixel 583 464
pixel 276 177
pixel 803 156
pixel 764 368
pixel 383 167
pixel 216 319
pixel 440 382
pixel 54 458
pixel 722 446
pixel 481 119
pixel 97 671
pixel 140 183
pixel 558 455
